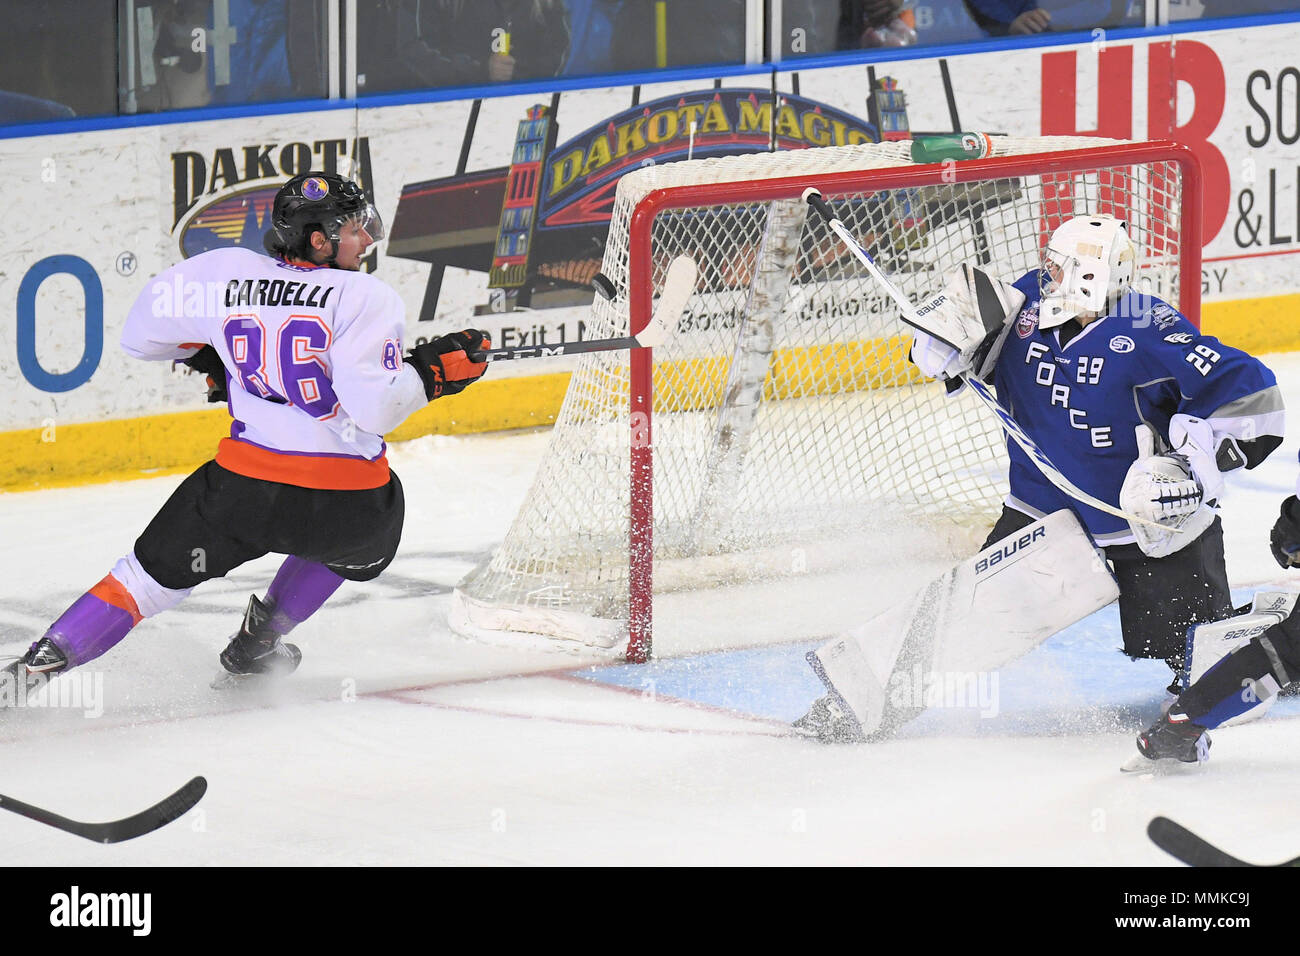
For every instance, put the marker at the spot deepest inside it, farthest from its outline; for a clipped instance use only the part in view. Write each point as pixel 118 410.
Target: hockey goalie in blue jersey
pixel 1130 402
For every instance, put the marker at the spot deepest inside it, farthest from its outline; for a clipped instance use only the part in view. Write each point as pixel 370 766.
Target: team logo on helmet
pixel 315 188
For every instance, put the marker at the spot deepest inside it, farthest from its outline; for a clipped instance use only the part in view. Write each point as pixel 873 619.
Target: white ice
pixel 400 743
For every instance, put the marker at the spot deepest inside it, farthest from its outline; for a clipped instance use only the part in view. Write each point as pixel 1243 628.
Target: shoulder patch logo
pixel 1179 338
pixel 1164 315
pixel 1122 343
pixel 1027 322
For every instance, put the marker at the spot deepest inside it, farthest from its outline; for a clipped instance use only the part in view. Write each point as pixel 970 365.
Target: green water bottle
pixel 936 149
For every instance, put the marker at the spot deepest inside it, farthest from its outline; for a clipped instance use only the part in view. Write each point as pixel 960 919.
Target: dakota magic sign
pixel 538 226
pixel 581 174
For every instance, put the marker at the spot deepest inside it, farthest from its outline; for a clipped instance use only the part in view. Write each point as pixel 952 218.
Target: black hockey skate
pixel 1173 738
pixel 257 649
pixel 828 722
pixel 41 662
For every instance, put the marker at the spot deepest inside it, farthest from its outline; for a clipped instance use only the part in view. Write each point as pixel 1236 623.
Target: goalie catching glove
pixel 450 363
pixel 974 313
pixel 1178 490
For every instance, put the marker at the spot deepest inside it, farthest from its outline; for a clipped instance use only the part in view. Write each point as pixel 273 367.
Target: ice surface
pixel 400 743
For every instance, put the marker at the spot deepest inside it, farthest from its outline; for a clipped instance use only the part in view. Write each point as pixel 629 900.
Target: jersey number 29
pixel 1203 358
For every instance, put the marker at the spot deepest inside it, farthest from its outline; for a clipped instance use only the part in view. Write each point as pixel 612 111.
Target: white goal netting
pixel 784 407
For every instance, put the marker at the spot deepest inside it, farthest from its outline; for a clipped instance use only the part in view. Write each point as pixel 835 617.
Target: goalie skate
pixel 1169 744
pixel 829 722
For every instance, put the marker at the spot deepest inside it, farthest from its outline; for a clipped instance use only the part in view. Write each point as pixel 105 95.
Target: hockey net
pixel 783 409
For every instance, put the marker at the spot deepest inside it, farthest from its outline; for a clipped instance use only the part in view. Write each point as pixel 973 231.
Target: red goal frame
pixel 641 530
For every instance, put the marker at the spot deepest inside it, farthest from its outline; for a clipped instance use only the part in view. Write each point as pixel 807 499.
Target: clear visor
pixel 367 220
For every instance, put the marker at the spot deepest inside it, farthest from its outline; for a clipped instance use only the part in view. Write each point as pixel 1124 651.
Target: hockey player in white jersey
pixel 1134 406
pixel 308 351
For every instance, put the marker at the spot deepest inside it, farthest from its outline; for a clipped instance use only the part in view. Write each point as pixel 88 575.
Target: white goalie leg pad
pixel 972 314
pixel 984 613
pixel 1207 644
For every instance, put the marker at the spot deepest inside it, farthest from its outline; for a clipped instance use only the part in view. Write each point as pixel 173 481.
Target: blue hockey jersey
pixel 1082 401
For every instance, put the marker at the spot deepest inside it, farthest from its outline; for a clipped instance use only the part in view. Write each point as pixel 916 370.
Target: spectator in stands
pixel 696 31
pixel 874 23
pixel 466 42
pixel 259 65
pixel 1009 17
pixel 593 37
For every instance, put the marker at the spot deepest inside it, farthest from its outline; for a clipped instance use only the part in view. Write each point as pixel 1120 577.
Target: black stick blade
pixel 1182 844
pixel 159 815
pixel 115 831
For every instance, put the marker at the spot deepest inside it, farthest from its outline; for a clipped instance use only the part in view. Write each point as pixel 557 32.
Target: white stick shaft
pixel 1040 459
pixel 908 310
pixel 1009 424
pixel 679 284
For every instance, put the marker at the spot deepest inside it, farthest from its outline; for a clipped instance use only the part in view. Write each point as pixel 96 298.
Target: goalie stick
pixel 1182 844
pixel 115 831
pixel 1039 457
pixel 678 286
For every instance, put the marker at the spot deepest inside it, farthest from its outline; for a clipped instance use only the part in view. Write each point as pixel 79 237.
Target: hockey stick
pixel 1039 457
pixel 1182 844
pixel 677 289
pixel 115 831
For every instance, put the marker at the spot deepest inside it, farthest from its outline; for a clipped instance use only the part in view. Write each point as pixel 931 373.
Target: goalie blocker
pixel 986 612
pixel 963 327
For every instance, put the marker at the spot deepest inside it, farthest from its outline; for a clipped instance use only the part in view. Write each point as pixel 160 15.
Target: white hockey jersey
pixel 313 361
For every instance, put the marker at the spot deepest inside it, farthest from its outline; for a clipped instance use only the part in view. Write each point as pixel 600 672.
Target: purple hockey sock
pixel 89 628
pixel 298 591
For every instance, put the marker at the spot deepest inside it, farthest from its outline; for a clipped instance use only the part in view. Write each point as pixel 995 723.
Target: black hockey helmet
pixel 317 202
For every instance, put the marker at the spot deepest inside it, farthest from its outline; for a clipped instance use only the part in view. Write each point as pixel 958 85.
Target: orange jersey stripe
pixel 305 471
pixel 111 591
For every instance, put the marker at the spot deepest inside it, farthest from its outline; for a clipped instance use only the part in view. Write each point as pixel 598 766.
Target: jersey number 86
pixel 300 344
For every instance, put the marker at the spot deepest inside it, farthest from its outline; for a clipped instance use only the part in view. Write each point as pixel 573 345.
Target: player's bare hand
pixel 501 67
pixel 1031 21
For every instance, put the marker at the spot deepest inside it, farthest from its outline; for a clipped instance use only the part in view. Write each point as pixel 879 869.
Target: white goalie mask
pixel 1088 265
